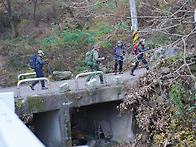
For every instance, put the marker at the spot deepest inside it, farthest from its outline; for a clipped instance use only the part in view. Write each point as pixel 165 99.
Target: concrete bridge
pixel 58 115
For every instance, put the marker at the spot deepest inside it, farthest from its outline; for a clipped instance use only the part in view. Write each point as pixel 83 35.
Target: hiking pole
pixel 101 64
pixel 49 70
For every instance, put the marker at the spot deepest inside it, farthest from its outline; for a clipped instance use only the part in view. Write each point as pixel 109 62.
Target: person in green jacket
pixel 95 66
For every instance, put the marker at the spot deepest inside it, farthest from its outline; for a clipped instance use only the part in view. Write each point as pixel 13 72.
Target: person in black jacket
pixel 38 69
pixel 139 53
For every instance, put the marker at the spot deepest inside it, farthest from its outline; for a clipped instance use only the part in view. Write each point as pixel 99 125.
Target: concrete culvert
pixel 100 124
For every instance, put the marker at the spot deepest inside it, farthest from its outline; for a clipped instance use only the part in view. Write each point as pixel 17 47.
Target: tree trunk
pixel 13 26
pixel 34 10
pixel 72 15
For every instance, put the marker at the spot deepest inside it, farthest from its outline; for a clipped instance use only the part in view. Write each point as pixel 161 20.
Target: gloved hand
pixel 148 48
pixel 120 58
pixel 46 62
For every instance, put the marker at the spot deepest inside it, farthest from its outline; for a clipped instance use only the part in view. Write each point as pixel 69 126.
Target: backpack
pixel 134 50
pixel 89 58
pixel 32 61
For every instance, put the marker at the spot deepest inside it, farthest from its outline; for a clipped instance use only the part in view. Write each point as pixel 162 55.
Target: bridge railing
pixel 30 80
pixel 25 74
pixel 86 74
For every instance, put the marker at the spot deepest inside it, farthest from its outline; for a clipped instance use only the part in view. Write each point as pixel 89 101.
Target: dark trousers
pixel 137 63
pixel 118 62
pixel 39 74
pixel 93 69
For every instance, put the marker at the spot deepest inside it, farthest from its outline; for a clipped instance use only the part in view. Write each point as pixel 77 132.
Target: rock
pixel 165 53
pixel 164 70
pixel 92 84
pixel 61 75
pixel 157 54
pixel 118 80
pixel 91 143
pixel 102 143
pixel 172 51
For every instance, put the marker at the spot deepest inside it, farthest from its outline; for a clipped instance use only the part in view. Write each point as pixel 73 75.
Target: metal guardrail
pixel 88 73
pixel 30 80
pixel 64 87
pixel 26 74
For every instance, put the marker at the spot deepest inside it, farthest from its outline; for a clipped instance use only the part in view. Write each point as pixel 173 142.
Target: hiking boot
pixel 102 82
pixel 44 88
pixel 31 86
pixel 132 74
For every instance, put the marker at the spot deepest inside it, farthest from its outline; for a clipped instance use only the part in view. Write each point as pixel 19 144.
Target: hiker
pixel 38 69
pixel 119 52
pixel 95 67
pixel 139 53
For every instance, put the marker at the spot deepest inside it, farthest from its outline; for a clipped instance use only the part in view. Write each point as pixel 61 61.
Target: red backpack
pixel 134 50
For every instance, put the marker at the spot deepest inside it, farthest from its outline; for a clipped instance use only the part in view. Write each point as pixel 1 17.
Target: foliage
pixel 17 51
pixel 160 39
pixel 177 120
pixel 164 104
pixel 72 44
pixel 18 104
pixel 175 131
pixel 175 97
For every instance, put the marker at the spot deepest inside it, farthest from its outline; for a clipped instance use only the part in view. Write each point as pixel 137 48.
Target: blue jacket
pixel 119 51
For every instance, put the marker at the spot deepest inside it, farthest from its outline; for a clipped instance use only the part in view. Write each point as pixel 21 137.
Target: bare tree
pixel 12 24
pixel 35 8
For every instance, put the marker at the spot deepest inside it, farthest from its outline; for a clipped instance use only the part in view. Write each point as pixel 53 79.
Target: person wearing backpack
pixel 38 63
pixel 139 52
pixel 119 52
pixel 93 61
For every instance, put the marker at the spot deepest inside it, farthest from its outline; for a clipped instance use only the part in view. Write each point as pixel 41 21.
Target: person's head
pixel 97 47
pixel 40 53
pixel 119 43
pixel 142 41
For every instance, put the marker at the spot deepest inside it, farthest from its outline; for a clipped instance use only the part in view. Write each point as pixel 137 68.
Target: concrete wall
pixel 47 128
pixel 53 127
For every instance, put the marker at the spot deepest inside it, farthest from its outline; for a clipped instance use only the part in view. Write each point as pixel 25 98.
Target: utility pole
pixel 134 22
